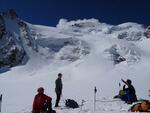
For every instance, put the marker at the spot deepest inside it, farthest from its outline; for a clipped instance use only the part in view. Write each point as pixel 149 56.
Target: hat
pixel 59 74
pixel 129 81
pixel 40 90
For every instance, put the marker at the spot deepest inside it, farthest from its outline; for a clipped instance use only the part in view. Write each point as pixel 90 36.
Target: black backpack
pixel 71 103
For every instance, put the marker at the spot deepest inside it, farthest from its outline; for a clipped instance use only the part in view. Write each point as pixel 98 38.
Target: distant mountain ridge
pixel 21 41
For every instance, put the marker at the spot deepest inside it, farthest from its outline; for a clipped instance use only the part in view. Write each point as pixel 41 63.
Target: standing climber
pixel 58 89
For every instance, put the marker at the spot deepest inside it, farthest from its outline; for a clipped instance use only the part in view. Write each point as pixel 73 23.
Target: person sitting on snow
pixel 130 93
pixel 42 102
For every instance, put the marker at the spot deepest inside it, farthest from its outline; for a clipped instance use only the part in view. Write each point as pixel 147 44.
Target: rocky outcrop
pixel 147 32
pixel 14 38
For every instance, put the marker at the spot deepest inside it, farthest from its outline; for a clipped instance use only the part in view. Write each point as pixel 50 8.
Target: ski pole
pixel 95 91
pixel 63 98
pixel 0 103
pixel 82 103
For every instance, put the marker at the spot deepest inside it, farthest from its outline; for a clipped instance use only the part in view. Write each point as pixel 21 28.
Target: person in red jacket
pixel 42 102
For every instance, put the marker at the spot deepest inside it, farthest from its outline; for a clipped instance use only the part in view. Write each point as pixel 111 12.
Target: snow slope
pixel 87 53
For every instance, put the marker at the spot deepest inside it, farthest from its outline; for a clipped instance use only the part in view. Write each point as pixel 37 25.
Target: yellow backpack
pixel 122 92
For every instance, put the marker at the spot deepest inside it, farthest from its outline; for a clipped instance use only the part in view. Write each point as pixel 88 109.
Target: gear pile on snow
pixel 141 107
pixel 70 103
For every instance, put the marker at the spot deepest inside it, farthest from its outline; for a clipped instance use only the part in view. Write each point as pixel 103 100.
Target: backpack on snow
pixel 71 103
pixel 141 107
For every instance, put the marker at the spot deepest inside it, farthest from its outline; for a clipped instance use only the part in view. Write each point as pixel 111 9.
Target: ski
pixel 112 100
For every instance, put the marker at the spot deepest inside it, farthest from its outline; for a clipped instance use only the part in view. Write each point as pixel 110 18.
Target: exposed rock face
pixel 147 32
pixel 13 33
pixel 2 27
pixel 120 53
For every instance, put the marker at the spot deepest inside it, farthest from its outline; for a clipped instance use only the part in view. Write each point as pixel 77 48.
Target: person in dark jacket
pixel 42 102
pixel 130 92
pixel 58 89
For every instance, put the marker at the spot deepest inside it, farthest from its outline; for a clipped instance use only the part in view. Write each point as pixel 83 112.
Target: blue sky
pixel 48 12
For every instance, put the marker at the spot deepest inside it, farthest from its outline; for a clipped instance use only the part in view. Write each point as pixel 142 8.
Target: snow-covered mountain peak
pixel 68 40
pixel 63 23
